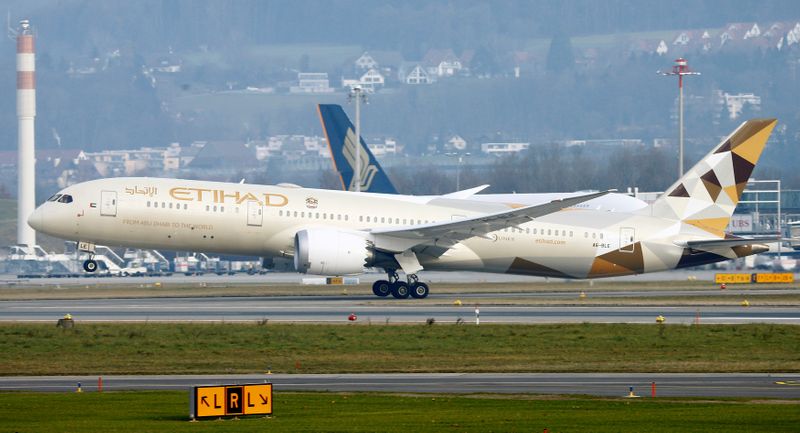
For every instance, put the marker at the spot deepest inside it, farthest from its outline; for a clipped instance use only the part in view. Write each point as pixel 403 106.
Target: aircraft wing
pixel 446 234
pixel 465 193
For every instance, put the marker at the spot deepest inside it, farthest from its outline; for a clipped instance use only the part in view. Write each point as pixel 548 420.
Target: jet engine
pixel 331 252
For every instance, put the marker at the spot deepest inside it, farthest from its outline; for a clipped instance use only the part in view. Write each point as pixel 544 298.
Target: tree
pixel 560 57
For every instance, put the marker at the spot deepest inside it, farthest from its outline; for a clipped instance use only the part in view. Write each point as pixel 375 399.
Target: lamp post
pixel 357 94
pixel 458 167
pixel 680 69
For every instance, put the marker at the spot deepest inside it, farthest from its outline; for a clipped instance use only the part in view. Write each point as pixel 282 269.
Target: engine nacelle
pixel 330 252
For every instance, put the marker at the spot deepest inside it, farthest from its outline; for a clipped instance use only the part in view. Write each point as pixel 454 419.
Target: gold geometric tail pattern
pixel 708 193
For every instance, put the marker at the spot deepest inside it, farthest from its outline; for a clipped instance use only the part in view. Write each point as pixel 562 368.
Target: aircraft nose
pixel 36 219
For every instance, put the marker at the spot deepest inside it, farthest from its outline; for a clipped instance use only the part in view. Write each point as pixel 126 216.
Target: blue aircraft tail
pixel 341 136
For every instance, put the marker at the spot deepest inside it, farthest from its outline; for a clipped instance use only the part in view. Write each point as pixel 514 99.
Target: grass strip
pixel 365 412
pixel 192 348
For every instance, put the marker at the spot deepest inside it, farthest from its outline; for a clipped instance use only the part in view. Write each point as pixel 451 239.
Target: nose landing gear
pixel 90 265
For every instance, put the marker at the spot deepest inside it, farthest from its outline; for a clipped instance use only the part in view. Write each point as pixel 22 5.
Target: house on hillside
pixel 683 38
pixel 442 63
pixel 417 75
pixel 370 81
pixel 754 32
pixel 365 62
pixel 662 48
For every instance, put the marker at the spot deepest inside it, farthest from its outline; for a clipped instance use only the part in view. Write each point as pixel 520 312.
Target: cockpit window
pixel 54 197
pixel 66 198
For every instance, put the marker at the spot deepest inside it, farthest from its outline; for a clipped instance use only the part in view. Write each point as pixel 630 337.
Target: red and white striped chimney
pixel 26 113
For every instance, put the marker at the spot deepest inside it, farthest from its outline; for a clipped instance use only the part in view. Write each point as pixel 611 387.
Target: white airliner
pixel 340 232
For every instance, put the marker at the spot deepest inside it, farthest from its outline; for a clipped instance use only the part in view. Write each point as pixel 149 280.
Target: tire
pixel 90 266
pixel 400 290
pixel 419 290
pixel 381 288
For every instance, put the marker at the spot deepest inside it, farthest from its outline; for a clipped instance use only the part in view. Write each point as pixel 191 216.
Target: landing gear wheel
pixel 90 265
pixel 381 288
pixel 419 290
pixel 400 290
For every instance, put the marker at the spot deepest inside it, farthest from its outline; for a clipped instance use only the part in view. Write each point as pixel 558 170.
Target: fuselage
pixel 261 220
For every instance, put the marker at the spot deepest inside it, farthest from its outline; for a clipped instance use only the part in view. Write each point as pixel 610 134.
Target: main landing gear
pixel 400 289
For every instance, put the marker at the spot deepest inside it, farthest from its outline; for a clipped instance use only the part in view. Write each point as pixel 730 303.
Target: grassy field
pixel 168 411
pixel 39 349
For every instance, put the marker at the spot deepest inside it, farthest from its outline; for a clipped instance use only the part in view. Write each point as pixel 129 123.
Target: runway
pixel 333 309
pixel 599 384
pixel 295 278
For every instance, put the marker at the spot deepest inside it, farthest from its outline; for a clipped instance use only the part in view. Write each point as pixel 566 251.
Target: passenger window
pixel 222 208
pixel 280 213
pixel 361 218
pixel 208 208
pixel 601 235
pixel 345 217
pixel 549 232
pixel 170 205
pixel 368 219
pixel 148 204
pixel 185 206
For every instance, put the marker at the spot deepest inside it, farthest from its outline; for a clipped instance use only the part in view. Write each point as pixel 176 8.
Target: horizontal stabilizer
pixel 729 243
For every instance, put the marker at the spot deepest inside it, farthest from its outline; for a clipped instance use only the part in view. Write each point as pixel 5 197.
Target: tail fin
pixel 342 142
pixel 707 195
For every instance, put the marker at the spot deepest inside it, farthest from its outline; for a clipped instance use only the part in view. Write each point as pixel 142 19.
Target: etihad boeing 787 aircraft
pixel 340 232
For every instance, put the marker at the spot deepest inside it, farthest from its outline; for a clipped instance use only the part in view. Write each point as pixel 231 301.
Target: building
pixel 312 82
pixel 418 75
pixel 383 147
pixel 506 148
pixel 735 103
pixel 442 63
pixel 366 62
pixel 370 81
pixel 291 147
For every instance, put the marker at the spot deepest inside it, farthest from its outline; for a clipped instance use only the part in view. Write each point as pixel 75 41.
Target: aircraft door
pixel 255 213
pixel 108 203
pixel 626 239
